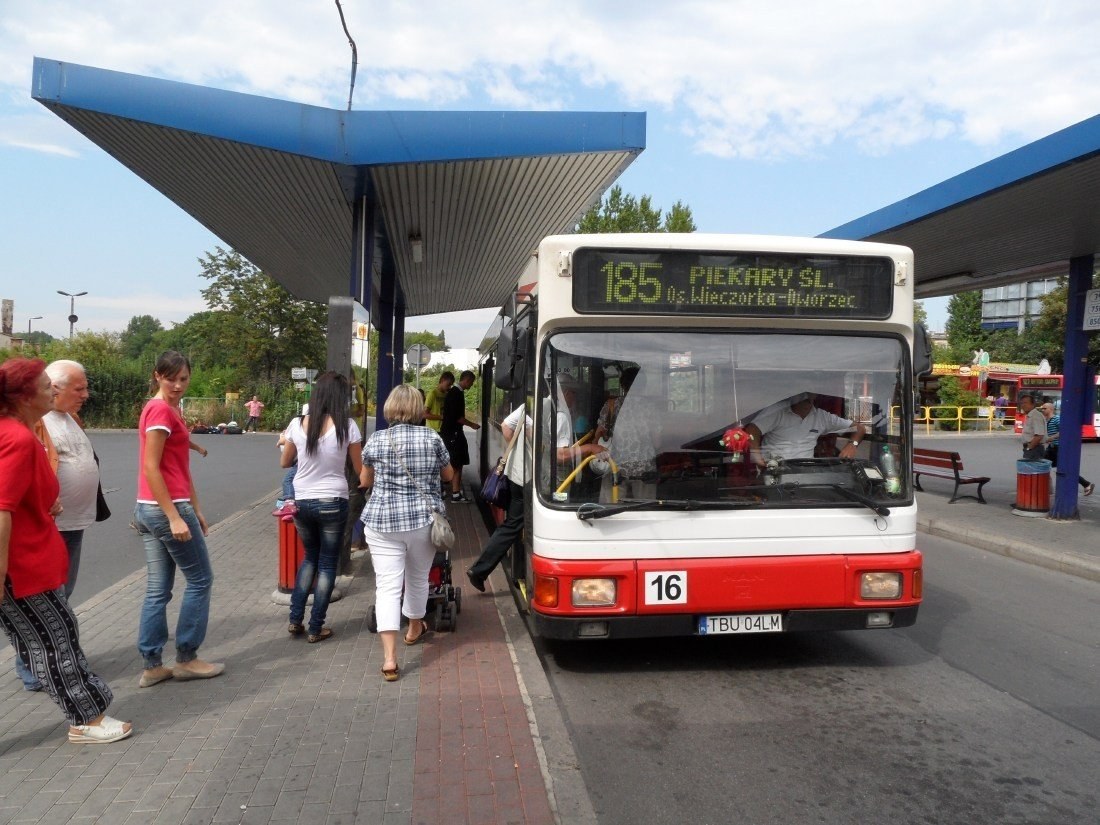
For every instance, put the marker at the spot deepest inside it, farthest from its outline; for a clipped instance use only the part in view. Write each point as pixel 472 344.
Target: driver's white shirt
pixel 787 435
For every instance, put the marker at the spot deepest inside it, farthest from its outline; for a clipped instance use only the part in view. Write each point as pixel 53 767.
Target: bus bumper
pixel 686 624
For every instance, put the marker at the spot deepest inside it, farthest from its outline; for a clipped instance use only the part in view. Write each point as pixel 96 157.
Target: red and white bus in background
pixel 1049 388
pixel 683 341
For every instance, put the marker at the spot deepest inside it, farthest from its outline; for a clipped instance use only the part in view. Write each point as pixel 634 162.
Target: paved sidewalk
pixel 1071 547
pixel 310 733
pixel 295 732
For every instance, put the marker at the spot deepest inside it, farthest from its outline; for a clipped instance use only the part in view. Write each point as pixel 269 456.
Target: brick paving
pixel 292 732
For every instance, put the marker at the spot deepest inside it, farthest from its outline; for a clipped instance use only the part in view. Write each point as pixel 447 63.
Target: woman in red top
pixel 34 562
pixel 171 524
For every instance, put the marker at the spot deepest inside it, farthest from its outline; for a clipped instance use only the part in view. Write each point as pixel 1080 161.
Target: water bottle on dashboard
pixel 890 470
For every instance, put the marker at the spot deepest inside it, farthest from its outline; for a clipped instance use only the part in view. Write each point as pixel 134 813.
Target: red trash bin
pixel 291 553
pixel 1032 487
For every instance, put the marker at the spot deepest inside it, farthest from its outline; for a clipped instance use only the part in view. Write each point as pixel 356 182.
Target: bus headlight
pixel 593 592
pixel 880 586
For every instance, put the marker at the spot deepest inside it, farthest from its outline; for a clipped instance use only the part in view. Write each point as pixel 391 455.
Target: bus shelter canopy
pixel 999 222
pixel 459 199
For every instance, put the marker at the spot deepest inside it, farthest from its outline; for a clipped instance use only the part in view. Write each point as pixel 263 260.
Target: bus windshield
pixel 723 418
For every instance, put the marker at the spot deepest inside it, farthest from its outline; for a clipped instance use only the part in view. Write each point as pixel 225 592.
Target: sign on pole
pixel 419 356
pixel 1091 321
pixel 297 373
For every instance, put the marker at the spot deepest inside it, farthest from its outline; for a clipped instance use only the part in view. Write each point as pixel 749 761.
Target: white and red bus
pixel 677 528
pixel 1049 388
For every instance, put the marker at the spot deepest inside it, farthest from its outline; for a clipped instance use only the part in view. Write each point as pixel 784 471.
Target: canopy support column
pixel 1073 393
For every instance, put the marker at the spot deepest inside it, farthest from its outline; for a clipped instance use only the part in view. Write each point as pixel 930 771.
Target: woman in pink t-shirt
pixel 172 526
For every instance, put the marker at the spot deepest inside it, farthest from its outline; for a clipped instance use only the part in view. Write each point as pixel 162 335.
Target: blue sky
pixel 768 118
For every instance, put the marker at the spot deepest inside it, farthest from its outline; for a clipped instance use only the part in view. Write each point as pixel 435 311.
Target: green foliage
pixel 964 324
pixel 255 324
pixel 953 394
pixel 89 348
pixel 625 213
pixel 1048 333
pixel 116 393
pixel 920 314
pixel 139 335
pixel 38 338
pixel 434 342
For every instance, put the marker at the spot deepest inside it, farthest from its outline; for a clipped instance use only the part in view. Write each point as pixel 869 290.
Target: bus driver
pixel 792 430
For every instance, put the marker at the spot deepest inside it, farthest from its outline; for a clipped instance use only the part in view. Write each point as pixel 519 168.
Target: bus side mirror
pixel 510 369
pixel 922 351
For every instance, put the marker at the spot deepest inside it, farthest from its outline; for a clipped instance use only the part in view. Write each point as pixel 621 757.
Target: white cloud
pixel 745 79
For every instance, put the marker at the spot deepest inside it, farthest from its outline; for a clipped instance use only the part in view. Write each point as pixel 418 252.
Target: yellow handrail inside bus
pixel 614 468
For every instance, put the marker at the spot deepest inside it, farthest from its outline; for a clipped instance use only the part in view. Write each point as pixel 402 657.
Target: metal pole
pixel 72 308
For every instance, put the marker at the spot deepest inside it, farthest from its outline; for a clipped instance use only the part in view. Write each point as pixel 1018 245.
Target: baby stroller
pixel 444 599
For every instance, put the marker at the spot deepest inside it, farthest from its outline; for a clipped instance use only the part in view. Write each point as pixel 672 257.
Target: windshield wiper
pixel 591 509
pixel 852 495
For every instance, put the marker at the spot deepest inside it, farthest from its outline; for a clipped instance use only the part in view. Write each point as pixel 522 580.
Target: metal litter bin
pixel 1032 488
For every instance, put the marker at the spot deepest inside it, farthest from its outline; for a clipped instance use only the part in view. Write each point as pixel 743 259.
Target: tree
pixel 139 334
pixel 964 326
pixel 625 213
pixel 1048 332
pixel 38 338
pixel 920 314
pixel 256 324
pixel 434 342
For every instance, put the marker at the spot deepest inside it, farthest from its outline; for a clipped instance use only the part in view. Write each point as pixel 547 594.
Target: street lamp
pixel 30 320
pixel 72 308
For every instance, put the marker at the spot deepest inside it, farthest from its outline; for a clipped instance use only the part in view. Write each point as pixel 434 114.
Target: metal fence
pixel 981 419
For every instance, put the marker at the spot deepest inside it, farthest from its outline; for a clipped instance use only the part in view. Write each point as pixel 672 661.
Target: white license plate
pixel 741 623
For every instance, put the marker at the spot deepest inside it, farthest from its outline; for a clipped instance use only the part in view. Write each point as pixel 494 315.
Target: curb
pixel 561 772
pixel 1073 564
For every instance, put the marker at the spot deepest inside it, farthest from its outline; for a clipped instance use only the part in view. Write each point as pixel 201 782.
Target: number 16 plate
pixel 741 623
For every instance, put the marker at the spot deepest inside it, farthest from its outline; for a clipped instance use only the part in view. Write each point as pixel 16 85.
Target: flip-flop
pixel 391 675
pixel 418 639
pixel 325 633
pixel 108 730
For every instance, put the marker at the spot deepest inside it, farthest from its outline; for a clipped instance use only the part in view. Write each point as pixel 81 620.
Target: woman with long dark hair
pixel 321 442
pixel 34 561
pixel 171 524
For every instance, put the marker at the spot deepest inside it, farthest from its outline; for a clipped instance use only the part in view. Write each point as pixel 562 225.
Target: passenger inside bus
pixel 791 430
pixel 636 438
pixel 564 440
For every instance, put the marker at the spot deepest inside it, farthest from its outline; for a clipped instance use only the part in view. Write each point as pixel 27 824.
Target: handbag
pixel 442 535
pixel 495 489
pixel 102 511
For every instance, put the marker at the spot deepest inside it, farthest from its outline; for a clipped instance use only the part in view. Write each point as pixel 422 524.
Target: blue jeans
pixel 74 539
pixel 320 523
pixel 288 481
pixel 163 554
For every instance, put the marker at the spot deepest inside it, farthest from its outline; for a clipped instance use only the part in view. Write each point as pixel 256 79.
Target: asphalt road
pixel 984 711
pixel 239 470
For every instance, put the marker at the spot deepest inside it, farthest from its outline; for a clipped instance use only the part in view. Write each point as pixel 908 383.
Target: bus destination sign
pixel 692 282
